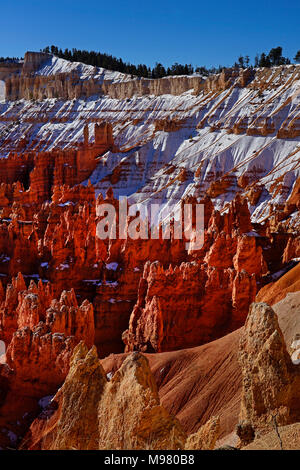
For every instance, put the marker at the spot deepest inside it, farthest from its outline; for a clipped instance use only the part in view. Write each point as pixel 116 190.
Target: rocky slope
pixel 202 385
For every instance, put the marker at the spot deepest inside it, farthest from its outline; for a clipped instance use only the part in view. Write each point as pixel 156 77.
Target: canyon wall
pixel 69 86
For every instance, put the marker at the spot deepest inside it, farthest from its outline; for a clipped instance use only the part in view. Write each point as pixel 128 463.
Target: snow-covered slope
pixel 171 146
pixel 55 65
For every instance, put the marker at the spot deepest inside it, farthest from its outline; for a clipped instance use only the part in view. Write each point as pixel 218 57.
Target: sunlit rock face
pixel 93 413
pixel 270 379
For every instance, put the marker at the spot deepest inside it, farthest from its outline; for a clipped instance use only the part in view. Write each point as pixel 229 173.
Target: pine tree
pixel 241 62
pixel 297 57
pixel 275 56
pixel 264 61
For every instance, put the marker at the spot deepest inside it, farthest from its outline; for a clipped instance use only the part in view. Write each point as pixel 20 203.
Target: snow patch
pixel 109 376
pixel 112 283
pixel 45 401
pixel 63 266
pixel 2 90
pixel 296 357
pixel 112 266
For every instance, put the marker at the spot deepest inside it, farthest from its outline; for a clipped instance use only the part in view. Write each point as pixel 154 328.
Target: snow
pixel 278 274
pixel 11 435
pixel 2 90
pixel 45 401
pixel 56 65
pixel 63 266
pixel 112 266
pixel 296 357
pixel 252 234
pixel 112 283
pixel 92 281
pixel 64 204
pixel 59 336
pixel 296 344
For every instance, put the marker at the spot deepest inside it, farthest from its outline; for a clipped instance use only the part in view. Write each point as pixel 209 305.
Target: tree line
pixel 109 62
pixel 9 59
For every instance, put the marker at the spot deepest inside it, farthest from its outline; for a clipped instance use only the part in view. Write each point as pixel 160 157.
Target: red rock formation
pixel 42 171
pixel 249 256
pixel 224 273
pixel 62 241
pixel 33 303
pixel 65 316
pixel 33 61
pixel 25 308
pixel 39 351
pixel 8 319
pixel 160 322
pixel 168 125
pixel 222 81
pixel 292 249
pixel 11 170
pixel 39 359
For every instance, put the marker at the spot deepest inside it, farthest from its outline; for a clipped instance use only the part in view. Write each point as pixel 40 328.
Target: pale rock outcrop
pixel 74 424
pixel 33 61
pixel 271 383
pixel 282 438
pixel 92 413
pixel 131 405
pixel 206 437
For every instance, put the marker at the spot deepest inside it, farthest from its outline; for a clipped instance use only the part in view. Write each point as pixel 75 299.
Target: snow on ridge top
pixel 56 65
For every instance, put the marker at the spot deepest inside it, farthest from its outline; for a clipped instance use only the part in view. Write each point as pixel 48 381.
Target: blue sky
pixel 202 33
